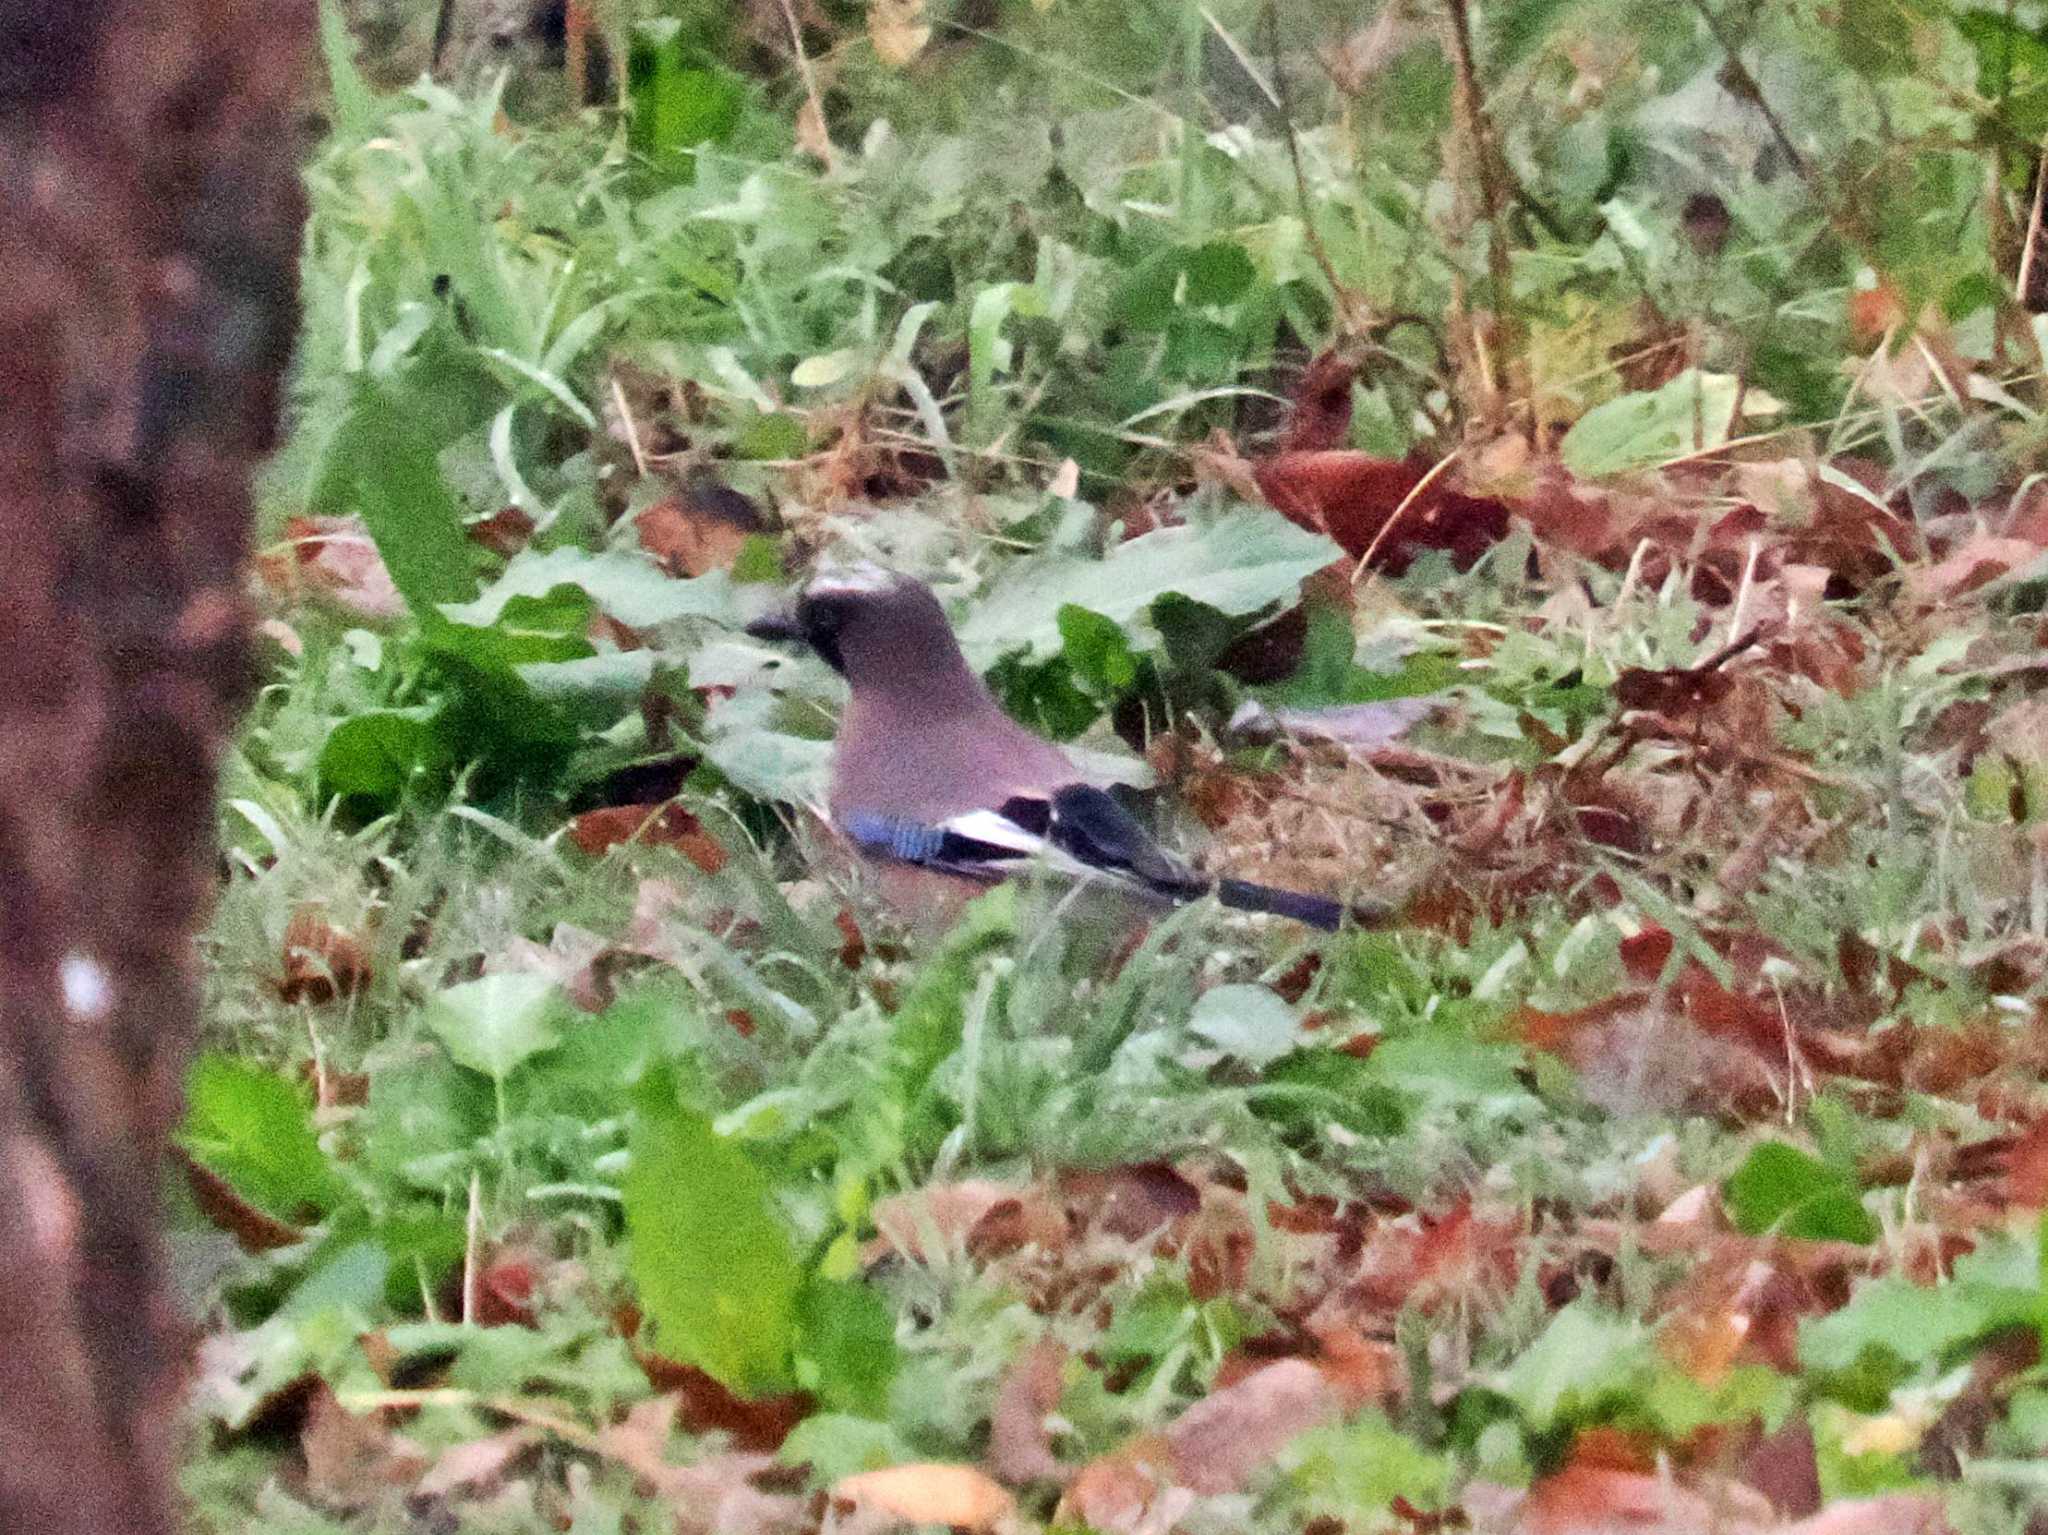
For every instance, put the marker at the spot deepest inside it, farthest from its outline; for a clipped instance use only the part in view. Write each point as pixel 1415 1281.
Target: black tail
pixel 1314 910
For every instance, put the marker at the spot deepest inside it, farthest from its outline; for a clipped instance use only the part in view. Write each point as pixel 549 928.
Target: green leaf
pixel 1876 37
pixel 628 586
pixel 1515 31
pixel 380 753
pixel 713 1263
pixel 355 104
pixel 1586 1354
pixel 846 1346
pixel 836 1445
pixel 1252 1023
pixel 496 1022
pixel 1690 414
pixel 1235 562
pixel 681 96
pixel 1780 1188
pixel 396 484
pixel 1096 650
pixel 255 1129
pixel 1217 273
pixel 1146 299
pixel 1354 1471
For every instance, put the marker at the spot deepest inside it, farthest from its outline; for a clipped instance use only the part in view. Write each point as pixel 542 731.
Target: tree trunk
pixel 149 224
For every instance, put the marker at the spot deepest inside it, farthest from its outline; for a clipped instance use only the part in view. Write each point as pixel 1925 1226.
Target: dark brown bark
pixel 149 227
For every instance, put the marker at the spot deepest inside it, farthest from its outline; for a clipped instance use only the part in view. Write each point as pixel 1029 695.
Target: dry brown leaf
pixel 254 1230
pixel 898 30
pixel 1019 1443
pixel 1593 1500
pixel 596 832
pixel 476 1468
pixel 976 1215
pixel 812 136
pixel 333 560
pixel 352 1461
pixel 1976 561
pixel 1218 1443
pixel 321 962
pixel 1126 1493
pixel 700 526
pixel 1898 1513
pixel 929 1493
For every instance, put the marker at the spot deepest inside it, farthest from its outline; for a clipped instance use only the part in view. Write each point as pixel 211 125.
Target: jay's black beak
pixel 780 626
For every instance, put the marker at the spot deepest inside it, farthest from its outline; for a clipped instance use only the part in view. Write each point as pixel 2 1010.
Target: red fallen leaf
pixel 705 1406
pixel 1977 561
pixel 700 527
pixel 1126 1492
pixel 1556 1032
pixel 1598 1500
pixel 321 962
pixel 505 1289
pixel 598 831
pixel 1614 1449
pixel 1354 496
pixel 1321 418
pixel 1645 954
pixel 1133 1201
pixel 1783 1467
pixel 2026 1167
pixel 254 1230
pixel 1750 1021
pixel 1874 311
pixel 853 944
pixel 1359 1369
pixel 504 532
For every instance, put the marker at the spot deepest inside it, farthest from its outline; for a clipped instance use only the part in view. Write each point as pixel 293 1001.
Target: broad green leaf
pixel 397 487
pixel 713 1263
pixel 1445 1066
pixel 1915 1324
pixel 1252 1023
pixel 846 1346
pixel 1236 562
pixel 1584 1355
pixel 1217 273
pixel 380 753
pixel 1097 650
pixel 1691 414
pixel 836 1445
pixel 496 1022
pixel 1354 1471
pixel 1782 1189
pixel 628 586
pixel 255 1129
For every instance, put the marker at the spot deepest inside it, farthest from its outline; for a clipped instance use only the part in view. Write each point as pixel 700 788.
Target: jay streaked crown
pixel 931 772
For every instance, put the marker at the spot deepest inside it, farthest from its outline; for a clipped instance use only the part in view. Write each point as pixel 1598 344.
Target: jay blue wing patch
pixel 934 847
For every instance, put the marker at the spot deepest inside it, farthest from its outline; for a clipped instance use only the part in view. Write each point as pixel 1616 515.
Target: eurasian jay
pixel 931 775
